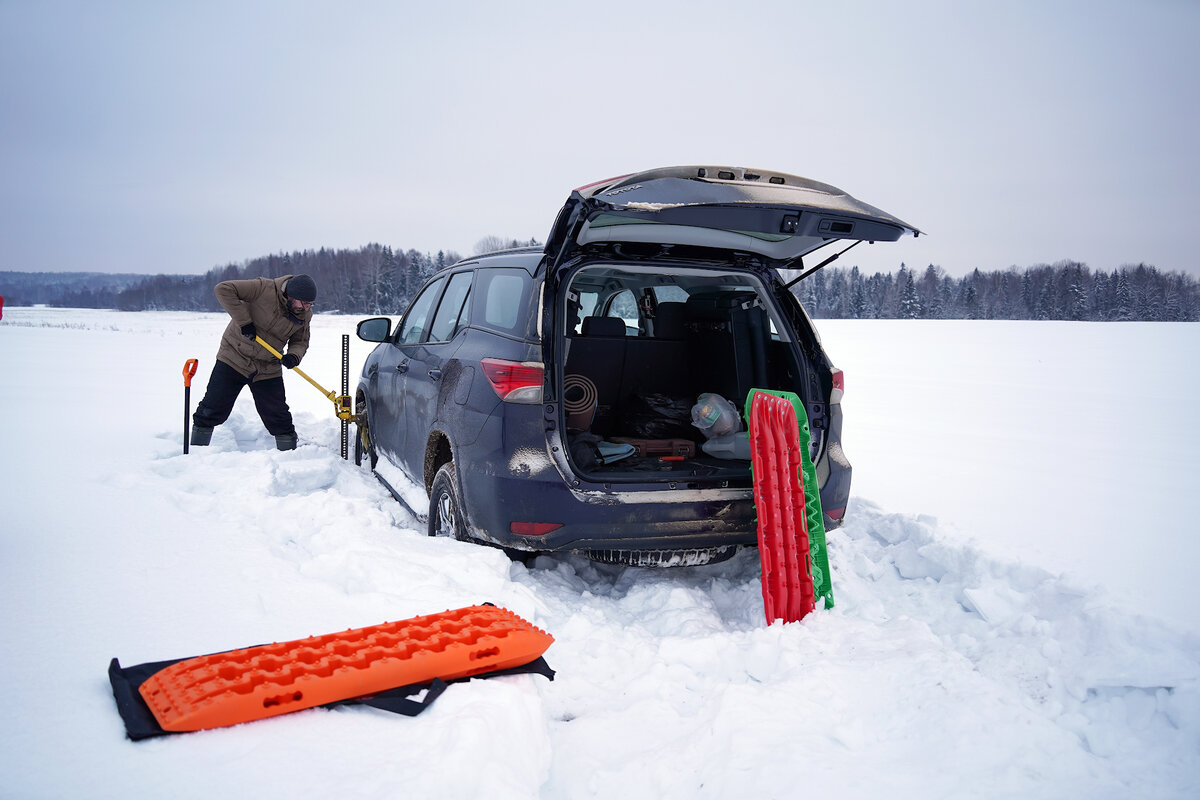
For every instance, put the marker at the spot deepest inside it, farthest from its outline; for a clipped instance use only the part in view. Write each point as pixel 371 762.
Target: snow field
pixel 952 665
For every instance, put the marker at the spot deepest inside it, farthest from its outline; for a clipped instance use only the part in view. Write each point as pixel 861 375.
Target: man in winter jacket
pixel 279 310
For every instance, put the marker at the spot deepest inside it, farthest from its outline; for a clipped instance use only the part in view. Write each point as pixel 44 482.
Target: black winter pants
pixel 224 386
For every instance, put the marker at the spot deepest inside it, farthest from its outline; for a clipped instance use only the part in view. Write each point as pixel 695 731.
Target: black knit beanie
pixel 302 288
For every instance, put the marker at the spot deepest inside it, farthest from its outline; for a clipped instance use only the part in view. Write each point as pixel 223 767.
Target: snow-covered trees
pixel 1067 290
pixel 376 279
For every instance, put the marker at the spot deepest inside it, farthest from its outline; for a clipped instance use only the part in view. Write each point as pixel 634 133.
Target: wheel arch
pixel 437 452
pixel 362 402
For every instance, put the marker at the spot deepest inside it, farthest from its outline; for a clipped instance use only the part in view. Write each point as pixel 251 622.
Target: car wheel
pixel 445 507
pixel 364 448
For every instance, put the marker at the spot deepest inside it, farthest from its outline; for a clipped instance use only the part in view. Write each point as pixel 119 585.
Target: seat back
pixel 726 343
pixel 598 354
pixel 658 364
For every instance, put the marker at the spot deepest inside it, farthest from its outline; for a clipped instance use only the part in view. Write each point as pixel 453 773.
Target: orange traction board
pixel 268 680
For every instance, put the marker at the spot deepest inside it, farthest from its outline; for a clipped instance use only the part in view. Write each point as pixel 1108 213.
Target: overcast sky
pixel 179 136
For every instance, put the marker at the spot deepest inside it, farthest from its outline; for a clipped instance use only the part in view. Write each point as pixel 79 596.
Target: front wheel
pixel 364 448
pixel 445 505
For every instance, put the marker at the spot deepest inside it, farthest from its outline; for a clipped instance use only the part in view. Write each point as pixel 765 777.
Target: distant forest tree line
pixel 376 279
pixel 1067 290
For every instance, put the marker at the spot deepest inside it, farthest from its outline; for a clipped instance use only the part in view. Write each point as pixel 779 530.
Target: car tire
pixel 364 448
pixel 445 505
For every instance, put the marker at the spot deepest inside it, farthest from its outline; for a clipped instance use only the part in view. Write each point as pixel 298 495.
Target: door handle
pixel 436 374
pixel 402 367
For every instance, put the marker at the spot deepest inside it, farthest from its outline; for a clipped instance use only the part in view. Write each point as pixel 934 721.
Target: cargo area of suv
pixel 643 343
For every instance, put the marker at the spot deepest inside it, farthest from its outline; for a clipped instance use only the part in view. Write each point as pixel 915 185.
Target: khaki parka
pixel 261 301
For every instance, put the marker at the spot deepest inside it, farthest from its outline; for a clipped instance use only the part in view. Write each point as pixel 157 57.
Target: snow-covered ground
pixel 1016 614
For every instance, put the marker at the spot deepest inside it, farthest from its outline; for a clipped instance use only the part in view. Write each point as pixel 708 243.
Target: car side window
pixel 624 305
pixel 453 311
pixel 413 328
pixel 670 294
pixel 501 300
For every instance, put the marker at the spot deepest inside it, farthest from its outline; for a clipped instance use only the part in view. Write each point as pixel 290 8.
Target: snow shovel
pixel 341 403
pixel 189 372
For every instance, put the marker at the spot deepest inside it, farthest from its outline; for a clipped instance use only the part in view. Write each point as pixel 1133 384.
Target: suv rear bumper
pixel 655 519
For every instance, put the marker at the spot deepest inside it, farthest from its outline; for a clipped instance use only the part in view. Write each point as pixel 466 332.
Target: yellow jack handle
pixel 341 403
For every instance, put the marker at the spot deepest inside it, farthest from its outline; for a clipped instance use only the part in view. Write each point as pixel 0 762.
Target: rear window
pixel 623 291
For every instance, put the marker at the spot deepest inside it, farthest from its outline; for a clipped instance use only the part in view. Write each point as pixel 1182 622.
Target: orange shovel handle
pixel 189 371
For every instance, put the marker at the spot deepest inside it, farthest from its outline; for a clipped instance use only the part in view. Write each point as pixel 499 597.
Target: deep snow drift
pixel 1015 611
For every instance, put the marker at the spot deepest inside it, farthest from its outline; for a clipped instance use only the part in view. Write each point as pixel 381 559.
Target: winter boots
pixel 202 436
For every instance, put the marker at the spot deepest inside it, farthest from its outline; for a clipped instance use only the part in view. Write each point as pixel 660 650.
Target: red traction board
pixel 787 581
pixel 268 680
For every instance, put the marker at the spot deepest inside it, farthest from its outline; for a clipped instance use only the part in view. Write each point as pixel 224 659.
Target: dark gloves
pixel 290 361
pixel 249 331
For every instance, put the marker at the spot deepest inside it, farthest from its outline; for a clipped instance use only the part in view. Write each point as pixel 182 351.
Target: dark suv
pixel 544 397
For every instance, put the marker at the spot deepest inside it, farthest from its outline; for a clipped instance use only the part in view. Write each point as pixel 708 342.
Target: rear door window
pixel 453 311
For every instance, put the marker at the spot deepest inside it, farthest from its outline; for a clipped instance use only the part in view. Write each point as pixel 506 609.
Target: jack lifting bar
pixel 341 403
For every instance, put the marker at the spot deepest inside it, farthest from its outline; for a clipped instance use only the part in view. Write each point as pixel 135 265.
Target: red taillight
pixel 835 513
pixel 533 528
pixel 513 381
pixel 839 387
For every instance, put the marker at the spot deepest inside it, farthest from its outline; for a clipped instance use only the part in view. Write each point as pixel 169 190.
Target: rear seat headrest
pixel 603 326
pixel 670 320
